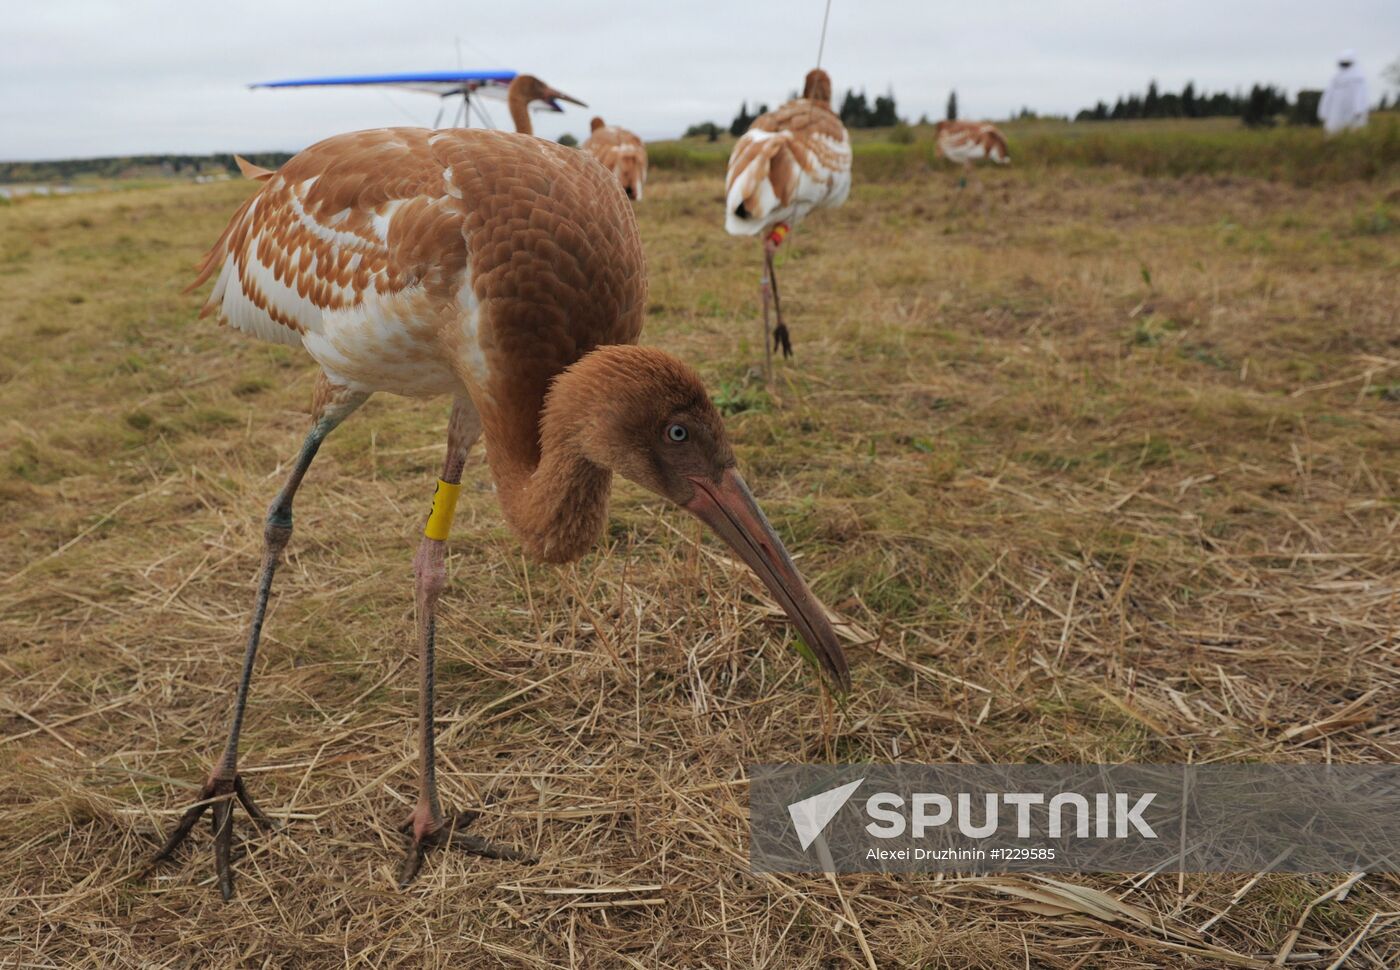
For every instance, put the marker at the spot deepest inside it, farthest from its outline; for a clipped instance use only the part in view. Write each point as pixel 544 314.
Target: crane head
pixel 648 418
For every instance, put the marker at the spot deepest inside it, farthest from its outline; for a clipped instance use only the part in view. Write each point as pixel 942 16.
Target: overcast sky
pixel 116 77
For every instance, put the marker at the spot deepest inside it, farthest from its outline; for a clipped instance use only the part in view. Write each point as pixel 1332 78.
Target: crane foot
pixel 422 836
pixel 781 340
pixel 217 796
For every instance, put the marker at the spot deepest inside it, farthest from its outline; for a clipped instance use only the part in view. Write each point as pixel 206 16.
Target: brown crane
pixel 791 160
pixel 507 272
pixel 621 152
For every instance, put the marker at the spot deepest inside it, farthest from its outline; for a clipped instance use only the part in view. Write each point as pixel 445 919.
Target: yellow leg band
pixel 444 505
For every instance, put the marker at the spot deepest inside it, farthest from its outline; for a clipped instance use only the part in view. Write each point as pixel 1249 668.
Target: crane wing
pixel 788 162
pixel 334 224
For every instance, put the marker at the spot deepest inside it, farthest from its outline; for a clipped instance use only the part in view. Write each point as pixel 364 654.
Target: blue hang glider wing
pixel 492 84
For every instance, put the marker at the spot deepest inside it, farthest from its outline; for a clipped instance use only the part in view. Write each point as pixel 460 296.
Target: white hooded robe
pixel 1346 101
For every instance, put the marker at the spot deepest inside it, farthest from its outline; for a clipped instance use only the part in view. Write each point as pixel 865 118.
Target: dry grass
pixel 1107 464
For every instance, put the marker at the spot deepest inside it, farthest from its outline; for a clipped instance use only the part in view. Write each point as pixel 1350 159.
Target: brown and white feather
pixel 969 141
pixel 791 160
pixel 424 262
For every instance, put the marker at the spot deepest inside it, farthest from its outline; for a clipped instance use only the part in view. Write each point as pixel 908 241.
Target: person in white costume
pixel 1346 101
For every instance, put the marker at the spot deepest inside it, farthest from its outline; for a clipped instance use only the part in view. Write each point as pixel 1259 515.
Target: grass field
pixel 1181 147
pixel 1099 467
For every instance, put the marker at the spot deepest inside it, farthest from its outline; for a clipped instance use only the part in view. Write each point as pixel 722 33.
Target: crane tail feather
pixel 250 171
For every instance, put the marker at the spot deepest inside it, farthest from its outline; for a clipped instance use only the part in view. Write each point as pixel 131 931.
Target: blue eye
pixel 677 433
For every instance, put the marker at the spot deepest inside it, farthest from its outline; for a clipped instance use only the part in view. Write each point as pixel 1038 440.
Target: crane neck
pixel 553 497
pixel 520 112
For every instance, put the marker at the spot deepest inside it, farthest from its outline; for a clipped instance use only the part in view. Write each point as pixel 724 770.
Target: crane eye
pixel 677 433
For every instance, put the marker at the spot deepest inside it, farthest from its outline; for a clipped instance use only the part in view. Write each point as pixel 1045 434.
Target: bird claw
pixel 217 796
pixel 450 834
pixel 781 341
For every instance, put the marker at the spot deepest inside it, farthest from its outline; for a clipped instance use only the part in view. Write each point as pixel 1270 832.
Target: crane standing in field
pixel 968 141
pixel 507 272
pixel 620 152
pixel 790 161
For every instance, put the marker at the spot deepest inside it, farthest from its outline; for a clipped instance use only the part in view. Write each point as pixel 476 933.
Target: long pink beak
pixel 729 508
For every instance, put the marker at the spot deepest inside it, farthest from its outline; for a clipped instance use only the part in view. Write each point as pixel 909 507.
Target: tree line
pixel 117 166
pixel 1262 106
pixel 857 111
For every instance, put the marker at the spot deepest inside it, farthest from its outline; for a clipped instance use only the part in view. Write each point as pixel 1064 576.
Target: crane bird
pixel 621 153
pixel 524 90
pixel 968 141
pixel 789 162
pixel 507 272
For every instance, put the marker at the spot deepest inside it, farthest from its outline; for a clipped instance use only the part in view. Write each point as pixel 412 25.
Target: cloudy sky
pixel 109 77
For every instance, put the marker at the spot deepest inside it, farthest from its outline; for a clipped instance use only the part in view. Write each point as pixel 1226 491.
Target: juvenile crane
pixel 620 152
pixel 506 272
pixel 789 162
pixel 965 142
pixel 526 89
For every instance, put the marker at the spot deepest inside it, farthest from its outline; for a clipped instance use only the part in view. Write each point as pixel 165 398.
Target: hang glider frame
pixel 471 87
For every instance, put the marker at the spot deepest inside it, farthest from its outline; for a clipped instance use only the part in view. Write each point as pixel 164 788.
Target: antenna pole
pixel 822 46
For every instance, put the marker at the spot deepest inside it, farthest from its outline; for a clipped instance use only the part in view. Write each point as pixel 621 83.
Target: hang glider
pixel 470 86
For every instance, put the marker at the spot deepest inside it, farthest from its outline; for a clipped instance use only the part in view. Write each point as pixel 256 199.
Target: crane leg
pixel 765 292
pixel 427 827
pixel 333 404
pixel 780 332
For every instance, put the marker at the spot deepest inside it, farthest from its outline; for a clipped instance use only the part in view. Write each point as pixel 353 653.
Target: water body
pixel 17 191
